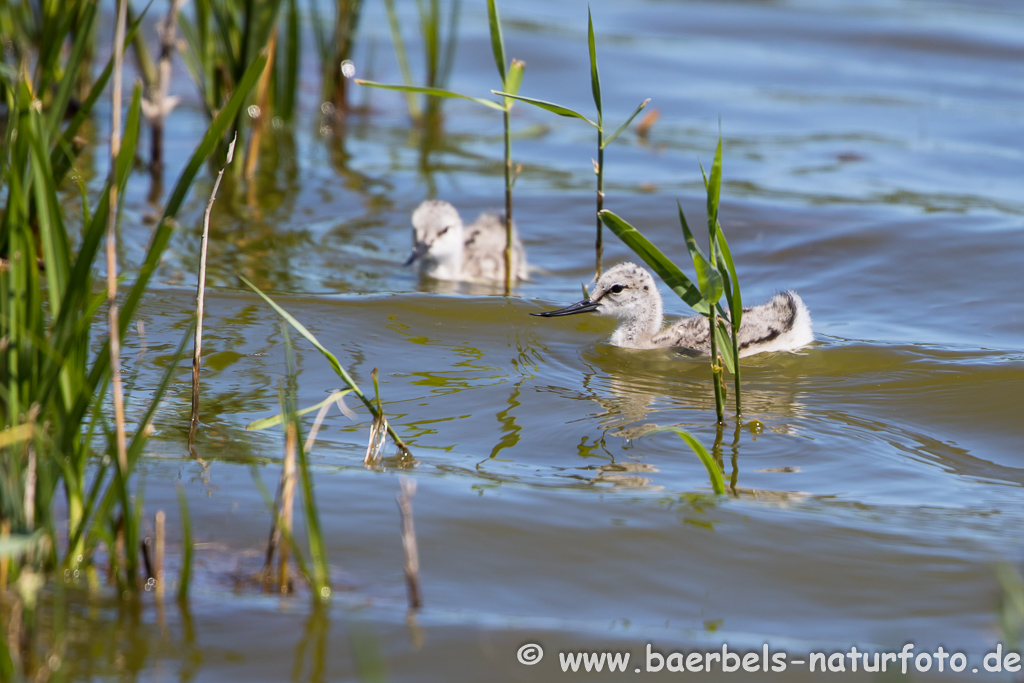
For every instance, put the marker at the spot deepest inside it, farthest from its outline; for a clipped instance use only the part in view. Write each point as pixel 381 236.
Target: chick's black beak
pixel 418 250
pixel 585 306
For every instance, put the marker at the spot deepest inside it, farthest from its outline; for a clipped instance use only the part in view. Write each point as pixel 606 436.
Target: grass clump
pixel 602 140
pixel 716 282
pixel 55 366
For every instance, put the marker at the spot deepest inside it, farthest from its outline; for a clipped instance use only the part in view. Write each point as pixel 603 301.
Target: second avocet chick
pixel 446 250
pixel 628 293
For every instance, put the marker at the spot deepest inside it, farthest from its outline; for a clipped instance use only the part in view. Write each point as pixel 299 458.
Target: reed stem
pixel 160 106
pixel 287 504
pixel 736 373
pixel 599 244
pixel 201 297
pixel 508 203
pixel 716 369
pixel 112 308
pixel 412 560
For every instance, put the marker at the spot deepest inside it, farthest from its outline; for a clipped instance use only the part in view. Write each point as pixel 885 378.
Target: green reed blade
pixel 264 423
pixel 185 578
pixel 497 41
pixel 550 106
pixel 59 159
pixel 147 67
pixel 338 368
pixel 49 222
pixel 434 92
pixel 403 60
pixel 321 576
pixel 713 185
pixel 595 77
pixel 726 265
pixel 714 472
pixel 288 82
pixel 608 140
pixel 451 42
pixel 725 346
pixel 710 280
pixel 668 271
pixel 71 70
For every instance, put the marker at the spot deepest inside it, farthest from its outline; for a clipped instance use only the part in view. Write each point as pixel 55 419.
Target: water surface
pixel 872 162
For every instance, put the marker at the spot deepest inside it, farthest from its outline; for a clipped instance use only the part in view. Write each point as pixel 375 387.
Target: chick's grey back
pixel 484 250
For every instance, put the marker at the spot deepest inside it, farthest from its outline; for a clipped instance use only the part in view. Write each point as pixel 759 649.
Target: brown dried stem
pixel 201 298
pixel 412 559
pixel 112 308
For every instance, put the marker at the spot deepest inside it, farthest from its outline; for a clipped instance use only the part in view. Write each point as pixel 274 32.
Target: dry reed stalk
pixel 158 533
pixel 262 90
pixel 112 308
pixel 287 500
pixel 412 558
pixel 201 297
pixel 5 532
pixel 160 105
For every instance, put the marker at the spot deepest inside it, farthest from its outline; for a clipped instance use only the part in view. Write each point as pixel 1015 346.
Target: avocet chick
pixel 628 293
pixel 446 250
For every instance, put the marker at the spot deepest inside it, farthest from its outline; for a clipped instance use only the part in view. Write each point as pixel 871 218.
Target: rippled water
pixel 873 162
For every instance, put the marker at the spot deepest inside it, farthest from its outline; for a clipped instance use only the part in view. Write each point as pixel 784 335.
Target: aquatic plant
pixel 602 141
pixel 706 459
pixel 53 376
pixel 335 47
pixel 438 58
pixel 716 277
pixel 375 411
pixel 223 38
pixel 511 78
pixel 197 345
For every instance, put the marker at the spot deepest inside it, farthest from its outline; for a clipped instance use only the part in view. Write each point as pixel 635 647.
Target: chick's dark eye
pixel 616 289
pixel 443 230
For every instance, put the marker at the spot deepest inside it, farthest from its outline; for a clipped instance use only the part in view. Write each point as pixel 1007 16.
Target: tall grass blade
pixel 732 283
pixel 714 471
pixel 341 372
pixel 59 158
pixel 433 92
pixel 550 106
pixel 321 581
pixel 403 60
pixel 723 340
pixel 667 270
pixel 497 42
pixel 59 105
pixel 710 280
pixel 608 140
pixel 713 185
pixel 595 77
